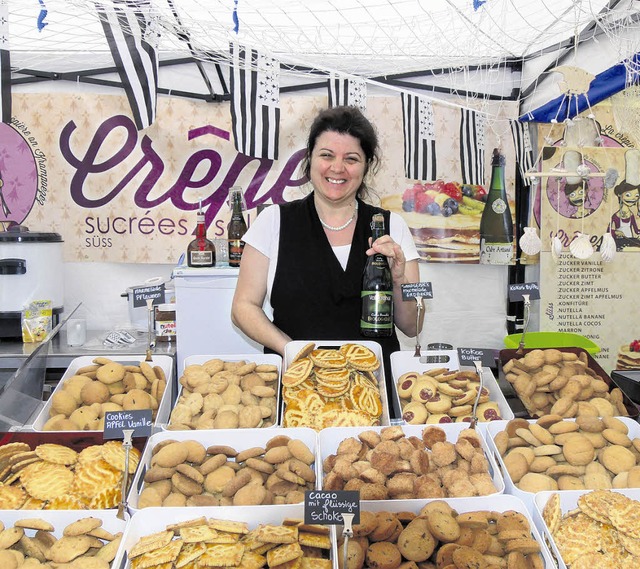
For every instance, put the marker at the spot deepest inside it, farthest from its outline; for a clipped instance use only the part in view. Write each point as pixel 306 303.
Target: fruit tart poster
pixel 588 208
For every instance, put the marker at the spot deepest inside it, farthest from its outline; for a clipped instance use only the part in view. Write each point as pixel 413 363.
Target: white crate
pixel 164 406
pixel 493 428
pixel 239 439
pixel 496 503
pixel 152 520
pixel 292 348
pixel 329 440
pixel 405 361
pixel 272 359
pixel 568 502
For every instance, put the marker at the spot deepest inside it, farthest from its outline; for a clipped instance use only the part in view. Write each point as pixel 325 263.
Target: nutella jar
pixel 165 323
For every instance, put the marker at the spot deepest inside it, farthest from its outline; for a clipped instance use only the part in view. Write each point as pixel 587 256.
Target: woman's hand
pixel 394 254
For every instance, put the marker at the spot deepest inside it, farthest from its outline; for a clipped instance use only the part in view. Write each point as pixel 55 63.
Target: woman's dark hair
pixel 345 120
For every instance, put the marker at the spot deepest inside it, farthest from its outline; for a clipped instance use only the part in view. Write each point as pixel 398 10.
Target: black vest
pixel 313 297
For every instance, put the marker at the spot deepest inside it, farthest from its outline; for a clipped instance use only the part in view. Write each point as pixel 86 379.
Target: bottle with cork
pixel 237 226
pixel 201 252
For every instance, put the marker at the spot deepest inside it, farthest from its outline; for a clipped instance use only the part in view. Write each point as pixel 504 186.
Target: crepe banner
pixel 115 194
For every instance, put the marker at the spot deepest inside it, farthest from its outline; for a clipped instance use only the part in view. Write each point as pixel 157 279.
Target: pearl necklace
pixel 345 224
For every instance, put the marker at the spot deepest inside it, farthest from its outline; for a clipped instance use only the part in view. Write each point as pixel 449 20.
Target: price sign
pixel 117 421
pixel 517 291
pixel 325 507
pixel 467 356
pixel 143 293
pixel 412 291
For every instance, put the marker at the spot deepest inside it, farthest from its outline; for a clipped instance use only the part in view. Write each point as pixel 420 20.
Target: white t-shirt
pixel 264 235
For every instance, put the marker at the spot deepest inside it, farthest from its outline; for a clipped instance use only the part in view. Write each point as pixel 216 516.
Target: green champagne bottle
pixel 496 225
pixel 376 320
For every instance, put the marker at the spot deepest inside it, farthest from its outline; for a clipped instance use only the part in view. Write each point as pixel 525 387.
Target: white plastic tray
pixel 329 440
pixel 292 348
pixel 568 502
pixel 273 359
pixel 493 428
pixel 405 361
pixel 164 406
pixel 239 439
pixel 496 503
pixel 152 520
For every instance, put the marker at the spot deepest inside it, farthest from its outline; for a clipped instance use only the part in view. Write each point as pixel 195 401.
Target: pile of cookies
pixel 443 396
pixel 188 474
pixel 226 395
pixel 332 388
pixel 555 454
pixel 85 397
pixel 387 464
pixel 439 536
pixel 84 544
pixel 550 381
pixel 604 531
pixel 56 477
pixel 203 542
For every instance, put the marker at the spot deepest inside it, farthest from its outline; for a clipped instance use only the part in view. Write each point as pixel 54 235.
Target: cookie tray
pixel 495 427
pixel 164 407
pixel 273 359
pixel 405 361
pixel 496 503
pixel 568 502
pixel 239 439
pixel 506 355
pixel 292 348
pixel 329 440
pixel 151 520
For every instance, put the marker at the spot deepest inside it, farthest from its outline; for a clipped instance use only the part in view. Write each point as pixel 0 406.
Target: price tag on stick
pixel 467 357
pixel 143 293
pixel 412 291
pixel 116 422
pixel 326 507
pixel 518 291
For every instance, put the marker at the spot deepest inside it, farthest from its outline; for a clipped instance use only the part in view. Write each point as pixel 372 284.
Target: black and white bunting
pixel 419 138
pixel 131 35
pixel 524 150
pixel 472 126
pixel 5 64
pixel 255 102
pixel 347 91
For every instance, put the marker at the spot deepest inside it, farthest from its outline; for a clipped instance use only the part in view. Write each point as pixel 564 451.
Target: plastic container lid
pixel 166 307
pixel 551 340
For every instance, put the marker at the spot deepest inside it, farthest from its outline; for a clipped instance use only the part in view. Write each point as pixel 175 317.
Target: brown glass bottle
pixel 201 252
pixel 236 228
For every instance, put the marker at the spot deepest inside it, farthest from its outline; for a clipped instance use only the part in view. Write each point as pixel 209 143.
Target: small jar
pixel 165 323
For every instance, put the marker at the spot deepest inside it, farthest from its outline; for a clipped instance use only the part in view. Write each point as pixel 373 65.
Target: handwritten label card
pixel 517 291
pixel 412 291
pixel 116 421
pixel 467 357
pixel 143 293
pixel 326 507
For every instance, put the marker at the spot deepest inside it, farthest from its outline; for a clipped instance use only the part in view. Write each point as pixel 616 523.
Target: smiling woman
pixel 307 257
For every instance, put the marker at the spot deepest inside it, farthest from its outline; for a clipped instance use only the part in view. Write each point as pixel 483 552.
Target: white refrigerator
pixel 203 314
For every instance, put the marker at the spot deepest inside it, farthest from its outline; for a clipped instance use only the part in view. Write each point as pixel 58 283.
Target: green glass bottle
pixel 376 320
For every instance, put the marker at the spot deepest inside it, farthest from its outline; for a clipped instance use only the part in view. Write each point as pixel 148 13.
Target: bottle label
pixel 377 310
pixel 201 258
pixel 499 206
pixel 236 247
pixel 495 253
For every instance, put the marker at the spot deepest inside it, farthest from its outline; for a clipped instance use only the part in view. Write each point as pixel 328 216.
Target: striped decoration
pixel 419 138
pixel 523 147
pixel 472 146
pixel 255 102
pixel 5 64
pixel 347 91
pixel 130 33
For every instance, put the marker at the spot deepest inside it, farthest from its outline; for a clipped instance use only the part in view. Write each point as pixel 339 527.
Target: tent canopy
pixel 471 49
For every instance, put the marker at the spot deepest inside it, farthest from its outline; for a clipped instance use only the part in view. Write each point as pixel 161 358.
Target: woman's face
pixel 337 166
pixel 630 197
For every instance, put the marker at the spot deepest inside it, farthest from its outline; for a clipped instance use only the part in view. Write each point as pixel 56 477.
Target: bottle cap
pixel 498 158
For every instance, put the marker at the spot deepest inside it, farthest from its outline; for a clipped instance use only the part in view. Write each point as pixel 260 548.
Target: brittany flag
pixel 255 102
pixel 524 149
pixel 472 146
pixel 132 36
pixel 347 91
pixel 419 138
pixel 5 64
